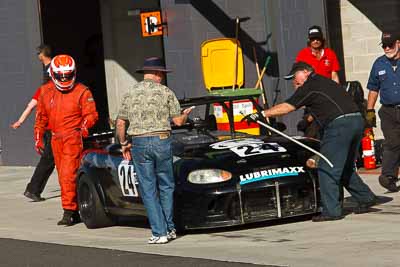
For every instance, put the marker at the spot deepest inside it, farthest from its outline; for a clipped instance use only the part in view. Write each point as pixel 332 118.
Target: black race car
pixel 223 178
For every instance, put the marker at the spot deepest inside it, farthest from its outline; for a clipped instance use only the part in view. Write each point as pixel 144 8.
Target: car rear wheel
pixel 91 209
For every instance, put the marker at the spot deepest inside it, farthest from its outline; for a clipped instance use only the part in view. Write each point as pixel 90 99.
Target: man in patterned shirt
pixel 149 107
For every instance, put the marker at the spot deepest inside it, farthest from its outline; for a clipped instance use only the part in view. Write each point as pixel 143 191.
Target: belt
pixel 391 106
pixel 161 135
pixel 348 115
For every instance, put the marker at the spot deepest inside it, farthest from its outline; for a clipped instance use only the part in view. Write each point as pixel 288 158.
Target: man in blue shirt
pixel 384 80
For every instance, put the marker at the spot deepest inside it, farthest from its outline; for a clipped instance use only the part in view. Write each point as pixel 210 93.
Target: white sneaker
pixel 171 235
pixel 158 240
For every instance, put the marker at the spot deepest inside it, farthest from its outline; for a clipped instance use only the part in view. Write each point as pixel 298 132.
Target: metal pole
pixel 297 142
pixel 236 53
pixel 294 141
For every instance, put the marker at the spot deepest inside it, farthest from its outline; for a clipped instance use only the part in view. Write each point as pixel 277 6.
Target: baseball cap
pixel 296 67
pixel 315 32
pixel 389 37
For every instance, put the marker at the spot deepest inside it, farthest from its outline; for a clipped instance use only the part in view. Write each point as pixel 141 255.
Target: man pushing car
pixel 342 125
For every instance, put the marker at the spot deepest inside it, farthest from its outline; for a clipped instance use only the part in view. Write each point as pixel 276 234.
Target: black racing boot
pixel 34 197
pixel 70 218
pixel 389 182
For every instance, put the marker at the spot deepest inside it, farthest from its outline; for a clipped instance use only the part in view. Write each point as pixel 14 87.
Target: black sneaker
pixel 34 197
pixel 325 218
pixel 389 182
pixel 70 218
pixel 364 207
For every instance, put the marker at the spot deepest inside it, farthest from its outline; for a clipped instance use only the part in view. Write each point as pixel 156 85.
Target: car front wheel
pixel 91 208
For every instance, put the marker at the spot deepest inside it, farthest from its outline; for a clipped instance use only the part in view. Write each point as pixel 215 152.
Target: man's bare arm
pixel 372 97
pixel 31 105
pixel 181 119
pixel 125 146
pixel 121 128
pixel 335 76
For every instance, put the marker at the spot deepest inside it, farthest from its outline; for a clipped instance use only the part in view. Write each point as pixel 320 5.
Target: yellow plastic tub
pixel 218 58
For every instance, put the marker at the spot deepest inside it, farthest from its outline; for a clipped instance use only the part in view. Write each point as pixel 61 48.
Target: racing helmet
pixel 63 72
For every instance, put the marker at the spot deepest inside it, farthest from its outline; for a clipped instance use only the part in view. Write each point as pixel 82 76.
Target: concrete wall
pixel 276 28
pixel 124 47
pixel 362 23
pixel 291 20
pixel 192 22
pixel 20 75
pixel 360 42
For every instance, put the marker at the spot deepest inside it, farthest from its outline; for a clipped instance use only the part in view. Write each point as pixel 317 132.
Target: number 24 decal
pixel 256 149
pixel 127 179
pixel 249 146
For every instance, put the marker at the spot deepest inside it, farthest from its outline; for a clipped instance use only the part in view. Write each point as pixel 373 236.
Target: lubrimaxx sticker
pixel 270 174
pixel 382 72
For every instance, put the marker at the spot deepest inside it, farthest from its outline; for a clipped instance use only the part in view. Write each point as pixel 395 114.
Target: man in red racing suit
pixel 68 110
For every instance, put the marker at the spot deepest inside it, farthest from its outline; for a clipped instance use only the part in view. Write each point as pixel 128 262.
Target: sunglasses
pixel 315 39
pixel 388 45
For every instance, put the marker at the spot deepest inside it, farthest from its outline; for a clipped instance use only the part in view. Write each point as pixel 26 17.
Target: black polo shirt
pixel 46 73
pixel 325 99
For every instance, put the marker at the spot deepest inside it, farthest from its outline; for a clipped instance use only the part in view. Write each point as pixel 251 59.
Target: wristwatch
pixel 124 143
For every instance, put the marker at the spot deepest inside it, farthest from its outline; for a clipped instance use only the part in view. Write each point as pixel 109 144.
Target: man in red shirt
pixel 325 63
pixel 322 59
pixel 45 166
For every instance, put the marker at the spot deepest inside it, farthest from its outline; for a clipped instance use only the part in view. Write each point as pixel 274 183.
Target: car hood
pixel 204 147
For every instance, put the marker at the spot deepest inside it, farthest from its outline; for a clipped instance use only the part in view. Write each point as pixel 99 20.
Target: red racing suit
pixel 68 115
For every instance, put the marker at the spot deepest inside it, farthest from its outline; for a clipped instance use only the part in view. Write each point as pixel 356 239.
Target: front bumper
pixel 261 201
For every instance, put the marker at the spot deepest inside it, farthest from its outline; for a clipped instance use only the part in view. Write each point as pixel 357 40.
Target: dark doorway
pixel 75 29
pixel 334 28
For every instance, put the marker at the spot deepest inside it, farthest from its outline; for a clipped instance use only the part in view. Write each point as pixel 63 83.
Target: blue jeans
pixel 152 159
pixel 340 142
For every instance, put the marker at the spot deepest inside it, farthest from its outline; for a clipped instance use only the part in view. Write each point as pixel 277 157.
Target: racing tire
pixel 90 206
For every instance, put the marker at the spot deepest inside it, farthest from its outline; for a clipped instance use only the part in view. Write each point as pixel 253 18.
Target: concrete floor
pixel 370 239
